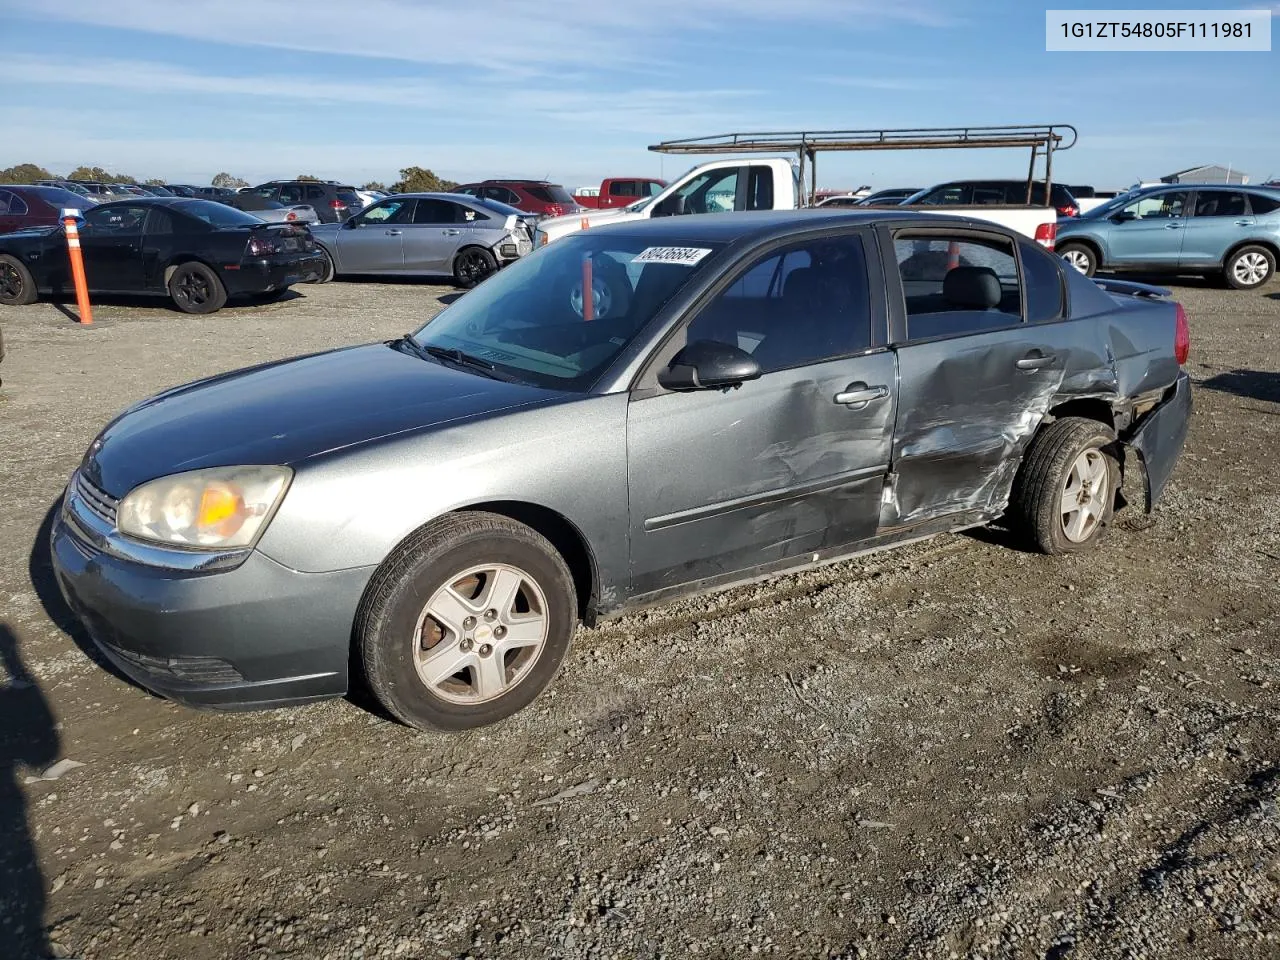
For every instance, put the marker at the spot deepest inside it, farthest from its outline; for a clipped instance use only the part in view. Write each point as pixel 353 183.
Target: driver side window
pixel 389 211
pixel 1158 206
pixel 712 192
pixel 113 218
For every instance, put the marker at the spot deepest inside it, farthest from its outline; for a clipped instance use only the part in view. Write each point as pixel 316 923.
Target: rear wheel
pixel 196 289
pixel 1250 267
pixel 1065 491
pixel 467 623
pixel 1079 256
pixel 328 271
pixel 17 287
pixel 472 265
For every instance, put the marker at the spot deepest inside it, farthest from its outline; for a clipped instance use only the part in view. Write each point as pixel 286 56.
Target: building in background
pixel 1207 173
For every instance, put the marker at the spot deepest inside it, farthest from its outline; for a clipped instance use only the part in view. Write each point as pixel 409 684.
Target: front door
pixel 111 241
pixel 13 212
pixel 975 379
pixel 434 235
pixel 1154 235
pixel 724 481
pixel 1219 220
pixel 373 241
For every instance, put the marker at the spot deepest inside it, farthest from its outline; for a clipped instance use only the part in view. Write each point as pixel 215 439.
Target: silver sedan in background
pixel 426 234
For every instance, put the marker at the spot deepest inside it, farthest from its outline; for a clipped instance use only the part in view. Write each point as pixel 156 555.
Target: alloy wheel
pixel 1251 269
pixel 480 634
pixel 1084 496
pixel 11 286
pixel 1078 259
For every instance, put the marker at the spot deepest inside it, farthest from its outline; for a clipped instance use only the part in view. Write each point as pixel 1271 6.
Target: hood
pixel 573 221
pixel 285 412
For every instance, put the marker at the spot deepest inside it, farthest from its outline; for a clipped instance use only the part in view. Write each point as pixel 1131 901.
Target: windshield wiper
pixel 413 346
pixel 471 362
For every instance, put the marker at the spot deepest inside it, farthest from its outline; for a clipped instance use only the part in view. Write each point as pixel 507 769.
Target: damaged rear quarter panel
pixel 966 412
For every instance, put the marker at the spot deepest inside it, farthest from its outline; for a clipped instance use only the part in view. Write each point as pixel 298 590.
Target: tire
pixel 329 271
pixel 1062 455
pixel 1249 267
pixel 1079 256
pixel 196 289
pixel 472 265
pixel 406 651
pixel 17 286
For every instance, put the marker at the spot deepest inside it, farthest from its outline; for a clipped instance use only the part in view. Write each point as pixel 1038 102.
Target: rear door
pixel 433 236
pixel 1219 220
pixel 111 241
pixel 723 481
pixel 975 377
pixel 1154 234
pixel 373 241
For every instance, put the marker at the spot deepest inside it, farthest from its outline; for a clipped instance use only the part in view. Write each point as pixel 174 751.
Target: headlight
pixel 219 507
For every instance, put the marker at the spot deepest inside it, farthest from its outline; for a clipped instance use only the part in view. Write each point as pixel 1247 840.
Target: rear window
pixel 501 209
pixel 552 193
pixel 218 214
pixel 349 197
pixel 59 197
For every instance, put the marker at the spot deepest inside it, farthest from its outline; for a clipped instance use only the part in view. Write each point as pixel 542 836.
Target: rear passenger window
pixel 12 205
pixel 1220 203
pixel 1043 281
pixel 955 286
pixel 159 223
pixel 804 304
pixel 1260 204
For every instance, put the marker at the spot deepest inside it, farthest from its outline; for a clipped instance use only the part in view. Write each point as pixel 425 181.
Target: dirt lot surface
pixel 954 750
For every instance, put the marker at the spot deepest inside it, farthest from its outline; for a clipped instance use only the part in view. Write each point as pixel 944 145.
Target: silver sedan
pixel 426 234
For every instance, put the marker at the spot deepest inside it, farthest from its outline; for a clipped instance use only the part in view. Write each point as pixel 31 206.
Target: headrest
pixel 972 288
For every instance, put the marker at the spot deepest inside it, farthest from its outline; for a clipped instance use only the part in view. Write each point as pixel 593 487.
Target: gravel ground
pixel 953 750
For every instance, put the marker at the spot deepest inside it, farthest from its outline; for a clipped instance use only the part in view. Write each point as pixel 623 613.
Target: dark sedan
pixel 633 413
pixel 197 252
pixel 29 206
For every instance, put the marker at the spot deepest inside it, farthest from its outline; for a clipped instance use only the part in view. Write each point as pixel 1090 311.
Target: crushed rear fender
pixel 1159 437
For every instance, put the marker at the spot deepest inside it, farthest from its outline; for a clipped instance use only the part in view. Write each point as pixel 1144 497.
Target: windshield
pixel 532 321
pixel 218 214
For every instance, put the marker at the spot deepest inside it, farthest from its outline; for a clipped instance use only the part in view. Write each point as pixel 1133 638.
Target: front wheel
pixel 196 289
pixel 472 265
pixel 1250 267
pixel 466 623
pixel 1080 257
pixel 1065 491
pixel 327 271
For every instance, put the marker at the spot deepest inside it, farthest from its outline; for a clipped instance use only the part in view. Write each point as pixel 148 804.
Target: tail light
pixel 291 216
pixel 1181 335
pixel 337 204
pixel 262 247
pixel 1070 210
pixel 1046 234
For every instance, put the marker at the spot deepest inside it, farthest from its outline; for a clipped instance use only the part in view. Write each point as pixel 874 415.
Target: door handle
pixel 451 233
pixel 858 395
pixel 394 233
pixel 1244 223
pixel 1036 362
pixel 1173 226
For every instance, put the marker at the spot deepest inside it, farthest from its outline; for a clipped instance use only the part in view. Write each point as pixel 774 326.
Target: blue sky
pixel 577 89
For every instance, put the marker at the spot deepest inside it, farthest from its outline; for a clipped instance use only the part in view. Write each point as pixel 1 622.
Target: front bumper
pixel 259 635
pixel 273 273
pixel 1160 437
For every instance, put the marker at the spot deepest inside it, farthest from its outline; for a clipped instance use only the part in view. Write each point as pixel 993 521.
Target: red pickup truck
pixel 619 191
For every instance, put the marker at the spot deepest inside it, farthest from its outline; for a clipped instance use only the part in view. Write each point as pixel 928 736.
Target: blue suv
pixel 1227 230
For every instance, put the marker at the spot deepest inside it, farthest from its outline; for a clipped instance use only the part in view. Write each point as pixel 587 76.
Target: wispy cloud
pixel 517 36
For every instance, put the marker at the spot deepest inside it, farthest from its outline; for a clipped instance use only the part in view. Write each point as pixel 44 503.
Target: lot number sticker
pixel 683 256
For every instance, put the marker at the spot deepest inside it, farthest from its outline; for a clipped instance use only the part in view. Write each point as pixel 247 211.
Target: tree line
pixel 412 179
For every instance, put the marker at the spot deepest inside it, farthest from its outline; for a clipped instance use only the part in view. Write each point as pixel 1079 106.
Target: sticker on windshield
pixel 683 256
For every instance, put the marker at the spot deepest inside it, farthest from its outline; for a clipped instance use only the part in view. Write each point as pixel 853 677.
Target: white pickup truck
pixel 764 184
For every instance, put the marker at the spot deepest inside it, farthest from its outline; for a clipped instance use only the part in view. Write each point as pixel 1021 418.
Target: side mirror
pixel 350 223
pixel 1122 216
pixel 709 365
pixel 673 206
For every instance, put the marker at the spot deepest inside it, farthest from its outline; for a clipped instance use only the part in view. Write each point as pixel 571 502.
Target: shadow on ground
pixel 45 584
pixel 28 740
pixel 66 303
pixel 1251 384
